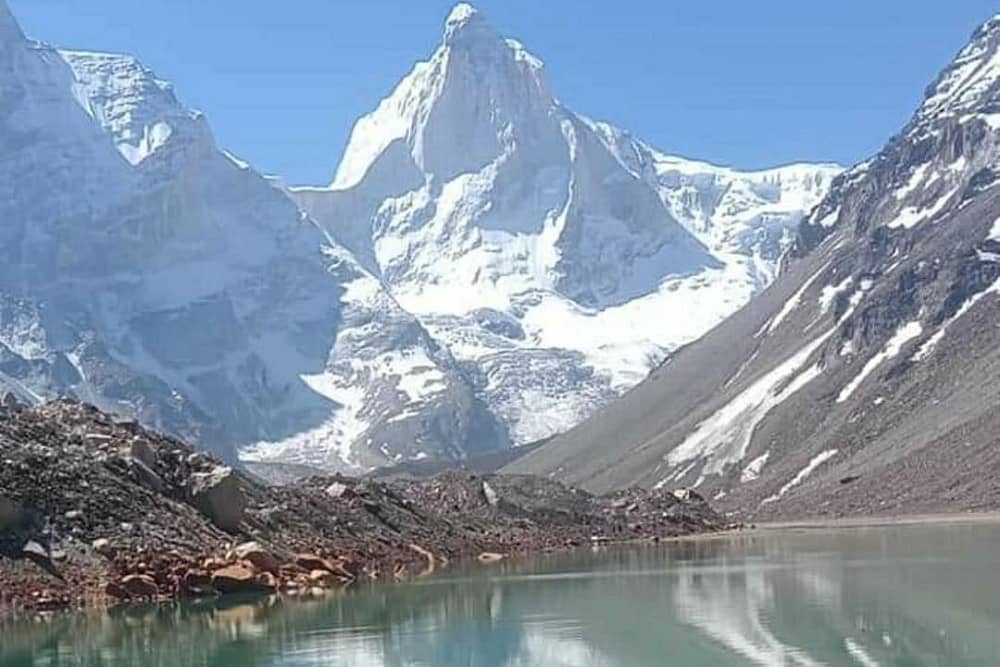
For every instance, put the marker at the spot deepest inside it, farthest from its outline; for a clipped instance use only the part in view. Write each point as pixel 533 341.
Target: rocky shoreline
pixel 96 511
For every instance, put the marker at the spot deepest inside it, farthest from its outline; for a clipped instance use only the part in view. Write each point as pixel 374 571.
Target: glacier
pixel 486 268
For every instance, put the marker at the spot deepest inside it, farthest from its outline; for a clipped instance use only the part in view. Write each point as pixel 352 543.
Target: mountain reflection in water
pixel 921 595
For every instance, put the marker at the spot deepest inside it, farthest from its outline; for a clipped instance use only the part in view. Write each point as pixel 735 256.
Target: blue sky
pixel 750 84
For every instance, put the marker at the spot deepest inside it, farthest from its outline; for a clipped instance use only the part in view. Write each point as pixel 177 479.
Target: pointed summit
pixel 466 25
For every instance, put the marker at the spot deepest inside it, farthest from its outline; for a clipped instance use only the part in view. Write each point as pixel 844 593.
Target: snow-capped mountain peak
pixel 466 26
pixel 549 254
pixel 455 112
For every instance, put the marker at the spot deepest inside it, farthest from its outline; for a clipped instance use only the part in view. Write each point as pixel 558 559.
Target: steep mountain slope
pixel 151 273
pixel 557 258
pixel 864 379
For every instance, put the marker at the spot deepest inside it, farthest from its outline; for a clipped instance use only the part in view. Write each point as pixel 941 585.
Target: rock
pixel 139 586
pixel 141 450
pixel 144 475
pixel 11 512
pixel 489 557
pixel 688 495
pixel 351 567
pixel 324 578
pixel 336 490
pixel 197 582
pixel 102 546
pixel 73 514
pixel 240 579
pixel 10 401
pixel 116 590
pixel 490 494
pixel 35 551
pixel 219 496
pixel 260 557
pixel 311 562
pixel 213 564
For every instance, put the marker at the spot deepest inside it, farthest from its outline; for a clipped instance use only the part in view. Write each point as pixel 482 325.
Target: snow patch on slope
pixel 724 437
pixel 927 348
pixel 801 476
pixel 903 335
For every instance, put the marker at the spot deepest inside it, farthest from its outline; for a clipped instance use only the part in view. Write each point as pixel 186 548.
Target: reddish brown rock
pixel 140 586
pixel 240 579
pixel 258 556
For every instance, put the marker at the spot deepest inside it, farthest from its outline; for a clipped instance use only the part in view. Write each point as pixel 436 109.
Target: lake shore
pixel 97 511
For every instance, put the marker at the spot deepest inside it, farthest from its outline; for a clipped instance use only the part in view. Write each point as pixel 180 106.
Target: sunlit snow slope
pixel 151 273
pixel 557 258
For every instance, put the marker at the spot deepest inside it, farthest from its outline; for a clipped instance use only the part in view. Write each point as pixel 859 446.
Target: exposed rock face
pixel 863 380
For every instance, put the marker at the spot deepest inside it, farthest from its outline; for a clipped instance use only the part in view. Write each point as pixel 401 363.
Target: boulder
pixel 490 494
pixel 336 490
pixel 145 476
pixel 102 546
pixel 338 568
pixel 312 562
pixel 489 557
pixel 197 583
pixel 34 551
pixel 324 578
pixel 219 496
pixel 139 586
pixel 688 495
pixel 11 512
pixel 140 450
pixel 240 579
pixel 258 556
pixel 9 401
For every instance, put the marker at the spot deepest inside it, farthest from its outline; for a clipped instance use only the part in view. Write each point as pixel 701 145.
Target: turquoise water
pixel 904 596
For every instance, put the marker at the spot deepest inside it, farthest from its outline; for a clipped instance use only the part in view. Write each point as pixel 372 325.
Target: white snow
pixel 492 194
pixel 994 234
pixel 794 301
pixel 724 437
pixel 927 348
pixel 903 335
pixel 800 477
pixel 469 187
pixel 830 293
pixel 911 216
pixel 917 179
pixel 753 469
pixel 971 75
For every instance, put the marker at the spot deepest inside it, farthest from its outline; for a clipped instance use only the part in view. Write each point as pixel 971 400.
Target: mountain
pixel 557 259
pixel 151 273
pixel 486 269
pixel 864 379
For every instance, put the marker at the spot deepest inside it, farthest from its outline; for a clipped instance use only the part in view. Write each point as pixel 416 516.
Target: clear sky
pixel 750 84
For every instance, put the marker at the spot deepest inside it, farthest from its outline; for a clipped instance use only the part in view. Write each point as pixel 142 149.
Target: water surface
pixel 901 596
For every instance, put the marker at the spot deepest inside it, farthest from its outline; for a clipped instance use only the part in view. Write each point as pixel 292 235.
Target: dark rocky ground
pixel 96 510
